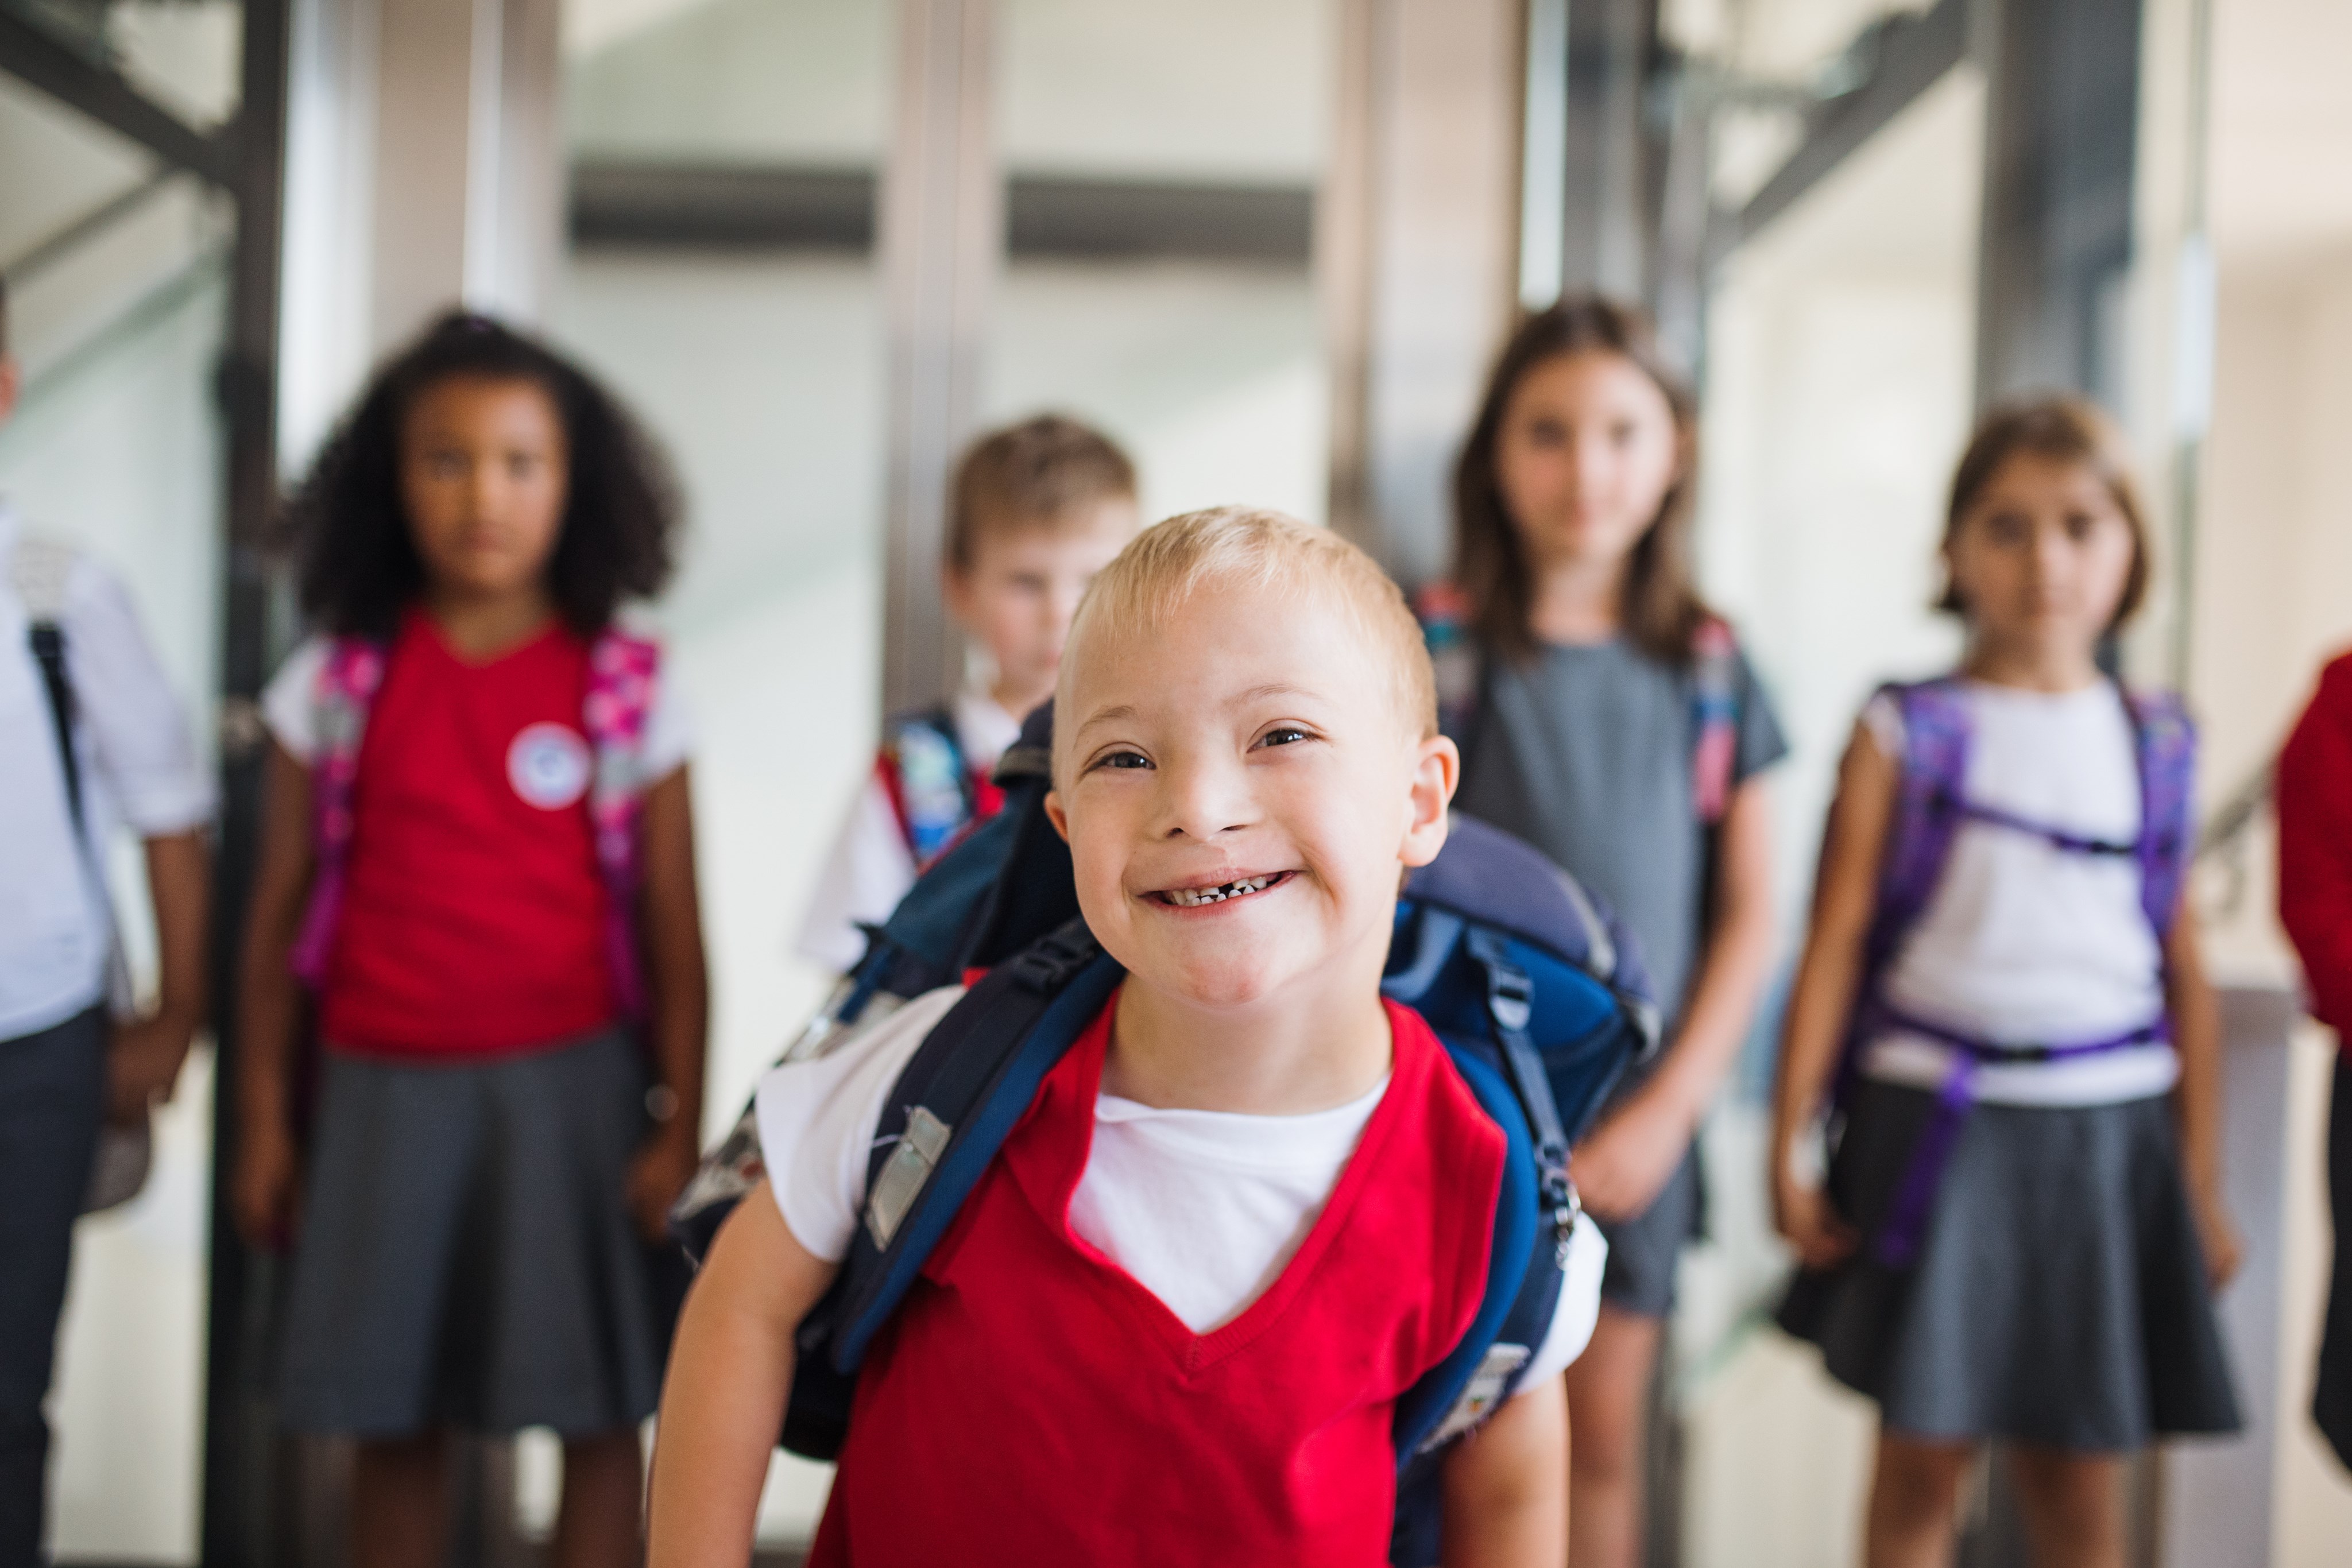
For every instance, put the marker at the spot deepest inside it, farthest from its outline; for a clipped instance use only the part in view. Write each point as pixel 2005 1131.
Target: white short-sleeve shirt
pixel 138 769
pixel 2024 942
pixel 1203 1208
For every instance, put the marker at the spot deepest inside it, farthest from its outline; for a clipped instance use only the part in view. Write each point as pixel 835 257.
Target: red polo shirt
pixel 472 921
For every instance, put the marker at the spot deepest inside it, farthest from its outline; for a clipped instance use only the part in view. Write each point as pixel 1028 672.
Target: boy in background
pixel 1037 509
pixel 90 736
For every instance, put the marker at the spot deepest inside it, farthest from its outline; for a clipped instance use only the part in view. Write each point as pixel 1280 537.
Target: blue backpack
pixel 1530 984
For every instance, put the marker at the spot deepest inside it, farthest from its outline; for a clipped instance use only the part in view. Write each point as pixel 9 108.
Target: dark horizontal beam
pixel 40 61
pixel 707 207
pixel 721 208
pixel 1913 54
pixel 1111 218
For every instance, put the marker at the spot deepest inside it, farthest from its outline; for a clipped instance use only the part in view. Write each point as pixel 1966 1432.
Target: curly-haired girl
pixel 477 859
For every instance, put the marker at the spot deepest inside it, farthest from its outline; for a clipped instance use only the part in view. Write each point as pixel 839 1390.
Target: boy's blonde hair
pixel 1257 549
pixel 1046 471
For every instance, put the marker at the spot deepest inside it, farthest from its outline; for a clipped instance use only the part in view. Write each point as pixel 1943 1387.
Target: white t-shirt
pixel 870 868
pixel 290 707
pixel 1203 1208
pixel 2024 942
pixel 138 769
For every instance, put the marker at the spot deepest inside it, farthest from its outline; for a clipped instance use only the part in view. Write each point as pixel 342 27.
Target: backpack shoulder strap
pixel 2165 740
pixel 1937 737
pixel 967 1085
pixel 970 1081
pixel 623 670
pixel 1523 1280
pixel 929 780
pixel 1715 730
pixel 349 678
pixel 39 570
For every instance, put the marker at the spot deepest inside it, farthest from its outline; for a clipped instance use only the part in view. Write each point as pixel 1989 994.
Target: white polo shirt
pixel 138 769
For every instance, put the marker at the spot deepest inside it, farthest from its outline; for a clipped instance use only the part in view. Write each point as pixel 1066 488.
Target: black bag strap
pixel 38 570
pixel 48 641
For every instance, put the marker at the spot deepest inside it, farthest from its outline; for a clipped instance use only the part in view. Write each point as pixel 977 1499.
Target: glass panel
pixel 1206 366
pixel 115 450
pixel 1839 391
pixel 181 53
pixel 743 320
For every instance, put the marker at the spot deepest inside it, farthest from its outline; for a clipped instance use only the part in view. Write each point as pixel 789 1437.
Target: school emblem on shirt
pixel 549 766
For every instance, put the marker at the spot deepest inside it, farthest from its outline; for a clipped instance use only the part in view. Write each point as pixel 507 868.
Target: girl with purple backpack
pixel 478 863
pixel 2003 1007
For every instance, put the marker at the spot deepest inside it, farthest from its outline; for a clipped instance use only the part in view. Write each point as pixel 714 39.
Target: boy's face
pixel 1252 741
pixel 1022 586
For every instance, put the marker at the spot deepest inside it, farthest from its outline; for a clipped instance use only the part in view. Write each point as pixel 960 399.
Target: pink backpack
pixel 621 669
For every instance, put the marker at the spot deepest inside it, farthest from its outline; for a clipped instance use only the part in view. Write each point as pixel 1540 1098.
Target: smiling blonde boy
pixel 1250 1206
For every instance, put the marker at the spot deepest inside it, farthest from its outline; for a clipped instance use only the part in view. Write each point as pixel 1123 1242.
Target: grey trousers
pixel 52 1098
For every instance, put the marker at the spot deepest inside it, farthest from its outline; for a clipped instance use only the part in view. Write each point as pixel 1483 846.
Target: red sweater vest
pixel 1031 1403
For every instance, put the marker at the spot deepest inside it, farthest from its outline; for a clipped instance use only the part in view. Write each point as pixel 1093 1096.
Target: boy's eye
pixel 1123 759
pixel 1284 735
pixel 2079 526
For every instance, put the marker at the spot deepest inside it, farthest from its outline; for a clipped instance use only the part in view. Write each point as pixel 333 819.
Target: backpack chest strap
pixel 2061 838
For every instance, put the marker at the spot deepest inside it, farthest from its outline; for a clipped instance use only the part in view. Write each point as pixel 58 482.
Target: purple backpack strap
pixel 2166 741
pixel 348 682
pixel 1937 735
pixel 622 671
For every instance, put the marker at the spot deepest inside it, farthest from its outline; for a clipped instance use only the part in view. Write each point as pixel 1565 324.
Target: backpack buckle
pixel 1054 959
pixel 1510 997
pixel 1568 1210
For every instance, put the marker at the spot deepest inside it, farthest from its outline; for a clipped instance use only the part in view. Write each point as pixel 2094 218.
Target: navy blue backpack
pixel 1532 987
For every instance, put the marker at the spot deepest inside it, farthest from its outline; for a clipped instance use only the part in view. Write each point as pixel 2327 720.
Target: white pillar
pixel 425 170
pixel 942 242
pixel 1417 256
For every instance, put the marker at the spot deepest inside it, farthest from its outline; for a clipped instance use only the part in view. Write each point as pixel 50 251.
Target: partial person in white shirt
pixel 93 739
pixel 1036 510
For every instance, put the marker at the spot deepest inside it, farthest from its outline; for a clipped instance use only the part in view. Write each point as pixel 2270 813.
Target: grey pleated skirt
pixel 465 1255
pixel 2059 1297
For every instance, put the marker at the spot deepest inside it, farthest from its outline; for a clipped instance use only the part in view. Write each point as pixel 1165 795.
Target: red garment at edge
pixel 1032 1403
pixel 473 916
pixel 2315 846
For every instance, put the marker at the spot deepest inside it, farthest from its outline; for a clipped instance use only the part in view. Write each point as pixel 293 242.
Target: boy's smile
pixel 1240 793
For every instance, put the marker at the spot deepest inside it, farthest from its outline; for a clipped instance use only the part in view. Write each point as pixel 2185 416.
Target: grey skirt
pixel 2059 1297
pixel 465 1255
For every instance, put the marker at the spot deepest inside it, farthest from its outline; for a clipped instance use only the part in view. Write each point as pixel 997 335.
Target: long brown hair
pixel 1662 609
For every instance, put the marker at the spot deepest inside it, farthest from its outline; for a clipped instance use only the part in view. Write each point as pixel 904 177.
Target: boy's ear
pixel 1056 814
pixel 1436 769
